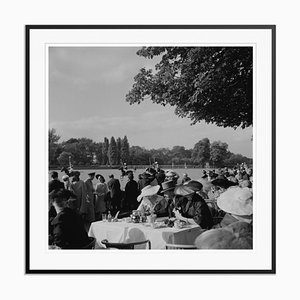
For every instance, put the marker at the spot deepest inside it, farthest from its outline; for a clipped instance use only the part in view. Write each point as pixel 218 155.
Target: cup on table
pixel 104 217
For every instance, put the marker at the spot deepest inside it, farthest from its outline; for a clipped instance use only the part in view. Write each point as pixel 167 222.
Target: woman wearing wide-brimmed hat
pixel 219 186
pixel 237 203
pixel 197 187
pixel 151 202
pixel 186 205
pixel 191 207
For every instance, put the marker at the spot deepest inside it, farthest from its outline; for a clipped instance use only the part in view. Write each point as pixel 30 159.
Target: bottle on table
pixel 109 217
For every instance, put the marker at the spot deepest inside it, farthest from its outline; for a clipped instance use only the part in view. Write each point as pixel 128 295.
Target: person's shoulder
pixel 61 184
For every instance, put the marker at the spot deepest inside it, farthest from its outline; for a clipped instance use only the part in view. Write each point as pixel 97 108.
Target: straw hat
pixel 236 236
pixel 222 182
pixel 237 201
pixel 196 186
pixel 171 173
pixel 168 185
pixel 65 177
pixel 215 239
pixel 148 190
pixel 183 190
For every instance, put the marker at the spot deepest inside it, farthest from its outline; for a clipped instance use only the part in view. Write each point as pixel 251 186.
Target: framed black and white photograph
pixel 150 149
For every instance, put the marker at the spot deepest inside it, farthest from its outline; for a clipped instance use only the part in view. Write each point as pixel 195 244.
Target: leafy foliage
pixel 218 153
pixel 54 147
pixel 211 84
pixel 105 151
pixel 201 152
pixel 236 159
pixel 112 152
pixel 63 158
pixel 83 151
pixel 124 150
pixel 119 149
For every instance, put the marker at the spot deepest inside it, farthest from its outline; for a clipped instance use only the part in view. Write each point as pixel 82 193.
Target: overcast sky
pixel 87 88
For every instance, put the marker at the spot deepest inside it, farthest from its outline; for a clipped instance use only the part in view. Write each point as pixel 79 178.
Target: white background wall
pixel 14 15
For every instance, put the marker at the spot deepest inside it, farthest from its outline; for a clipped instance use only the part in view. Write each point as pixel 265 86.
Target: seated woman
pixel 151 202
pixel 68 230
pixel 237 203
pixel 191 207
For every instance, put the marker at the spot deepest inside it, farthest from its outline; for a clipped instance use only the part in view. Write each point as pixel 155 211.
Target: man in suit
pixel 90 197
pixel 67 228
pixel 131 193
pixel 115 192
pixel 55 183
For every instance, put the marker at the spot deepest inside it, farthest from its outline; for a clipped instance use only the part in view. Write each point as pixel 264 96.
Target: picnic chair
pixel 125 245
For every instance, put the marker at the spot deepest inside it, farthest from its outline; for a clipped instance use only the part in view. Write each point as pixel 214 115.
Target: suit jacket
pixel 89 189
pixel 55 184
pixel 131 193
pixel 68 231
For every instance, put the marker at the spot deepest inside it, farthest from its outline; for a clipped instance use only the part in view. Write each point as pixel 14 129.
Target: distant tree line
pixel 115 152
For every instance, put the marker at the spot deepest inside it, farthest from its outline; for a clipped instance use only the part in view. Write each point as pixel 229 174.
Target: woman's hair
pixel 101 177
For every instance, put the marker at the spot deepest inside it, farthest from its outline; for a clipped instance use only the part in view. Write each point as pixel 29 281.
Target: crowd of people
pixel 215 201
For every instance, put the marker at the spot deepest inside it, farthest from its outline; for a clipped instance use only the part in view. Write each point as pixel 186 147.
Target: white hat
pixel 148 190
pixel 171 173
pixel 65 177
pixel 237 201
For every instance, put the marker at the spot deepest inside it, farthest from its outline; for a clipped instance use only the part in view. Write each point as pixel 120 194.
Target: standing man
pixel 115 193
pixel 55 183
pixel 131 193
pixel 90 197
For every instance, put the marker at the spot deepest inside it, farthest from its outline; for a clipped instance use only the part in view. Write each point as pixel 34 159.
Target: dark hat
pixel 147 175
pixel 183 190
pixel 111 176
pixel 168 185
pixel 54 174
pixel 194 185
pixel 92 174
pixel 76 173
pixel 223 183
pixel 60 194
pixel 151 171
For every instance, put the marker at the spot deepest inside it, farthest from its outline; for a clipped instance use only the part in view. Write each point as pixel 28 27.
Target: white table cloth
pixel 123 232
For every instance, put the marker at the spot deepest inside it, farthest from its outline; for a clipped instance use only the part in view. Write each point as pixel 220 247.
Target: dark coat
pixel 195 208
pixel 68 230
pixel 131 193
pixel 115 189
pixel 55 184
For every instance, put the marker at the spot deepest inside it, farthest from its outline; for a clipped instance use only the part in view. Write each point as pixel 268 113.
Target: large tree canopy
pixel 211 84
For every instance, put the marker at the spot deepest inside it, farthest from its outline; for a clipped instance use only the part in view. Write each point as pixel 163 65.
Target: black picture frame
pixel 28 29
